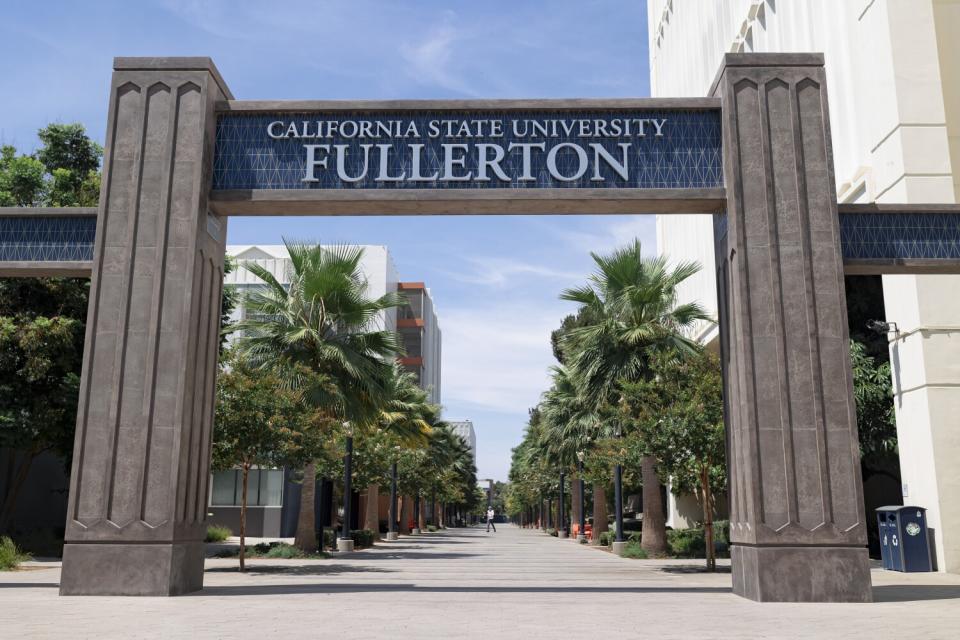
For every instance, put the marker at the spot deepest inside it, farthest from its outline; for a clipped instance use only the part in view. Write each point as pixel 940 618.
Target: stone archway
pixel 138 492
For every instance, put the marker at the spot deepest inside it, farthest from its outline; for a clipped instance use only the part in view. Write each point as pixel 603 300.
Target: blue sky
pixel 494 279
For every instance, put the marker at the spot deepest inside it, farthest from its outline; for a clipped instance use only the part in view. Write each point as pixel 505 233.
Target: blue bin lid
pixel 900 507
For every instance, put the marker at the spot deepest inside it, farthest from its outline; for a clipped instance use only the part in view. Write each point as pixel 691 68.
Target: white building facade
pixel 893 72
pixel 464 429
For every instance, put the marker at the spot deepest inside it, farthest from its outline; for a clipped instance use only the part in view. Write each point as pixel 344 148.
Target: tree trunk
pixel 306 538
pixel 10 500
pixel 243 518
pixel 422 518
pixel 372 519
pixel 599 511
pixel 708 518
pixel 406 510
pixel 654 536
pixel 574 504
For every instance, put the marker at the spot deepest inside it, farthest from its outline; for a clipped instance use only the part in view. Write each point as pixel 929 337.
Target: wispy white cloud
pixel 607 235
pixel 429 60
pixel 496 356
pixel 501 272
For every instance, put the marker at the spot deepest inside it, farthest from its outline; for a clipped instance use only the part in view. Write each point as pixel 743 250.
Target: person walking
pixel 490 515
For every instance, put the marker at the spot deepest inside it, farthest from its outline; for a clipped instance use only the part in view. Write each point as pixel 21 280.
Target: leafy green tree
pixel 64 172
pixel 323 322
pixel 41 349
pixel 42 321
pixel 677 417
pixel 72 159
pixel 21 179
pixel 631 312
pixel 259 423
pixel 873 394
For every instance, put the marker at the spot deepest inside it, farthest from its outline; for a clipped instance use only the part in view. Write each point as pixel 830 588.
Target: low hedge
pixel 691 543
pixel 552 532
pixel 362 538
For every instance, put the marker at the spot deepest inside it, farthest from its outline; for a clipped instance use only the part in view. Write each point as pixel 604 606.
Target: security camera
pixel 882 326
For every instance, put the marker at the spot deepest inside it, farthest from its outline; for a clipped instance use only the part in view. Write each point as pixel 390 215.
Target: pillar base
pixel 561 534
pixel 392 536
pixel 344 545
pixel 618 547
pixel 801 574
pixel 415 532
pixel 108 569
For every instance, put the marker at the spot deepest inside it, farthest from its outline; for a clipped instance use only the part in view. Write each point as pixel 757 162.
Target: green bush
pixel 431 528
pixel 10 555
pixel 329 539
pixel 634 536
pixel 362 538
pixel 687 543
pixel 283 550
pixel 633 550
pixel 217 533
pixel 552 532
pixel 607 537
pixel 692 543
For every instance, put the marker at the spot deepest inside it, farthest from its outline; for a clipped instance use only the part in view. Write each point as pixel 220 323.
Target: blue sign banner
pixel 635 149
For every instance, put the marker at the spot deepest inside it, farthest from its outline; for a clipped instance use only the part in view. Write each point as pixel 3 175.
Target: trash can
pixel 904 542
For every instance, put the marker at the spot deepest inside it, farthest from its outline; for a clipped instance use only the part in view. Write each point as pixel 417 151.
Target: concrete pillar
pixel 797 521
pixel 138 494
pixel 925 361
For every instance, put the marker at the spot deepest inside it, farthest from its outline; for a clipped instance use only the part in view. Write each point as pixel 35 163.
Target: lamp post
pixel 562 525
pixel 392 528
pixel 345 543
pixel 581 533
pixel 416 515
pixel 620 543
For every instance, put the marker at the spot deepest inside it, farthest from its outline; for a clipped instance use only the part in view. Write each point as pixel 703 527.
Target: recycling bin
pixel 904 542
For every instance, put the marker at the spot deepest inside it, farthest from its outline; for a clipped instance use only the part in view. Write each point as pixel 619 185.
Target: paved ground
pixel 465 583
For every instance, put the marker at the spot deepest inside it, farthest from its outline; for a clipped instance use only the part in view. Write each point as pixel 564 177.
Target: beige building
pixel 893 69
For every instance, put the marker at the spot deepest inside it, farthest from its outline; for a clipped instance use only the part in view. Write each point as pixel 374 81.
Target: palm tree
pixel 406 415
pixel 630 312
pixel 323 333
pixel 570 425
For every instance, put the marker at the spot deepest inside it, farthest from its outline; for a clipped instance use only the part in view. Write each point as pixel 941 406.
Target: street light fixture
pixel 619 543
pixel 392 528
pixel 345 542
pixel 581 533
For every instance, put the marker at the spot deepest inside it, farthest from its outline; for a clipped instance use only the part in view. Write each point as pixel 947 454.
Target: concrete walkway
pixel 465 583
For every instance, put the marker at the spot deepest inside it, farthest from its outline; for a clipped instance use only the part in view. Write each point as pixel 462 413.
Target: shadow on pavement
pixel 915 592
pixel 29 585
pixel 299 569
pixel 287 589
pixel 692 569
pixel 400 554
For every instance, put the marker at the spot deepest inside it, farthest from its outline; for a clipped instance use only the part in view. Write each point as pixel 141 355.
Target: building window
pixel 264 488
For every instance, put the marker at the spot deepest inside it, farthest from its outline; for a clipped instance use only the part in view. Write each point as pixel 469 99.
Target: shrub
pixel 552 532
pixel 283 550
pixel 217 533
pixel 263 548
pixel 431 528
pixel 10 555
pixel 607 537
pixel 329 539
pixel 634 536
pixel 633 550
pixel 362 538
pixel 687 543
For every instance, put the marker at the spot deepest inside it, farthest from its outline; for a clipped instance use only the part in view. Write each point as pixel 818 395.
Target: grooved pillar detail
pixel 797 521
pixel 137 508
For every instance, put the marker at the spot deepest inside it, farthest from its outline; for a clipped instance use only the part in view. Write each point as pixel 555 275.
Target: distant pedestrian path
pixel 465 583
